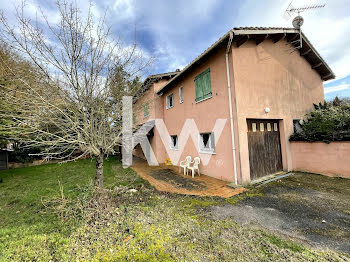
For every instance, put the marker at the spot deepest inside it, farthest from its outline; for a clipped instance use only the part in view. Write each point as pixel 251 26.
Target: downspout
pixel 230 107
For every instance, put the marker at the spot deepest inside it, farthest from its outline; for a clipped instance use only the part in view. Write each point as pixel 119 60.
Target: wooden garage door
pixel 264 147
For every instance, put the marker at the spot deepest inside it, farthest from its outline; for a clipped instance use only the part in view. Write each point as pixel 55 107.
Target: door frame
pixel 282 146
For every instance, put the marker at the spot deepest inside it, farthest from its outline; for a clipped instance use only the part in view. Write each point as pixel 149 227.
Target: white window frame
pixel 167 101
pixel 211 142
pixel 181 95
pixel 176 147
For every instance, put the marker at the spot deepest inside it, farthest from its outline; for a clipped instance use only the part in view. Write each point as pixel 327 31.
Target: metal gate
pixel 264 147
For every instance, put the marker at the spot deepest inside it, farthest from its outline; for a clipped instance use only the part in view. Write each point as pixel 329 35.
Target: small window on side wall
pixel 173 142
pixel 145 110
pixel 181 98
pixel 170 101
pixel 207 143
pixel 297 126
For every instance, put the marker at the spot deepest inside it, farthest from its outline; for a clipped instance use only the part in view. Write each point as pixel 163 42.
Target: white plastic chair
pixel 185 164
pixel 196 161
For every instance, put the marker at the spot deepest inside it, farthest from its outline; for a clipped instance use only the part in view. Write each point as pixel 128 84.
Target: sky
pixel 176 32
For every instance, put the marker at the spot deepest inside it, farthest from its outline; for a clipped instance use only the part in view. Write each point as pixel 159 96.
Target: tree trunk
pixel 99 171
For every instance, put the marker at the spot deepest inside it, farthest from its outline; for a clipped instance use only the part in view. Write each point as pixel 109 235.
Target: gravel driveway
pixel 311 208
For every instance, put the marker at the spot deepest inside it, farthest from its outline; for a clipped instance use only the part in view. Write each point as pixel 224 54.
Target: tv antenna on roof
pixel 298 21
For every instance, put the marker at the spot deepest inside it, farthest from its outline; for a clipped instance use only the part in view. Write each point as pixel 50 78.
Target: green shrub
pixel 327 122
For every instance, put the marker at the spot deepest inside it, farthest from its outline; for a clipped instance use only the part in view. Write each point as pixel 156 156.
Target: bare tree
pixel 74 108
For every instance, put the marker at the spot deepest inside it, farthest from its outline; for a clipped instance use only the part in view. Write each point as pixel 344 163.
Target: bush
pixel 327 122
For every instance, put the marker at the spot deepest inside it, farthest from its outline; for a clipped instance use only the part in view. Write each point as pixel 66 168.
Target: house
pixel 262 80
pixel 4 156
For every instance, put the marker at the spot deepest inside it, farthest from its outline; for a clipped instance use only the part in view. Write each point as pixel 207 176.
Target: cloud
pixel 172 31
pixel 333 89
pixel 176 32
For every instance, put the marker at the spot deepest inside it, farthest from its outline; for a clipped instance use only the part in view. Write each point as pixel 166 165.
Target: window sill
pixel 169 107
pixel 203 99
pixel 207 152
pixel 175 149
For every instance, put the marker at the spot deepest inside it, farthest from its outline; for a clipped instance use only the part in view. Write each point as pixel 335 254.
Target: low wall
pixel 34 163
pixel 317 157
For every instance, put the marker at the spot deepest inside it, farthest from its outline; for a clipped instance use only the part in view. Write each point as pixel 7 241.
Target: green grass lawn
pixel 119 225
pixel 25 224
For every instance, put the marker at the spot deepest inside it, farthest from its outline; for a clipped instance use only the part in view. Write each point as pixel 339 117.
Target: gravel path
pixel 311 208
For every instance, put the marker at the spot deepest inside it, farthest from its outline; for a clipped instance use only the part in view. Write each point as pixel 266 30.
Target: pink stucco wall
pixel 155 103
pixel 321 158
pixel 204 113
pixel 269 75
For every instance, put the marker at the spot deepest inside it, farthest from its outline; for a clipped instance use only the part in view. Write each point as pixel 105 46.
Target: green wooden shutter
pixel 203 85
pixel 145 110
pixel 199 91
pixel 206 85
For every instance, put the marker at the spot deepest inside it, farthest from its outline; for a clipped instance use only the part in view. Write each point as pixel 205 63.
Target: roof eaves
pixel 247 31
pixel 318 56
pixel 150 80
pixel 262 30
pixel 196 60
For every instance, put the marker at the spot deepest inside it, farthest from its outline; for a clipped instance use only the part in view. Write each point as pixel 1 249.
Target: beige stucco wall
pixel 321 158
pixel 269 75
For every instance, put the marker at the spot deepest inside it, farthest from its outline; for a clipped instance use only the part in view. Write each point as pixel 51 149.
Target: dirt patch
pixel 309 207
pixel 176 180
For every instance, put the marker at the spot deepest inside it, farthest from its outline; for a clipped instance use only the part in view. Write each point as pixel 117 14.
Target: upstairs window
pixel 207 143
pixel 173 142
pixel 170 101
pixel 145 110
pixel 181 98
pixel 203 86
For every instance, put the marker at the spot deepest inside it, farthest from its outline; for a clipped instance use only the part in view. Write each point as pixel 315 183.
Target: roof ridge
pixel 166 73
pixel 276 30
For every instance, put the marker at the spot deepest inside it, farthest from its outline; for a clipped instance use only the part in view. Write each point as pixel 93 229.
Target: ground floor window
pixel 173 142
pixel 207 142
pixel 297 126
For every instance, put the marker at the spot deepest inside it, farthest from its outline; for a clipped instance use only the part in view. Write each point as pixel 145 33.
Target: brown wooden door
pixel 264 147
